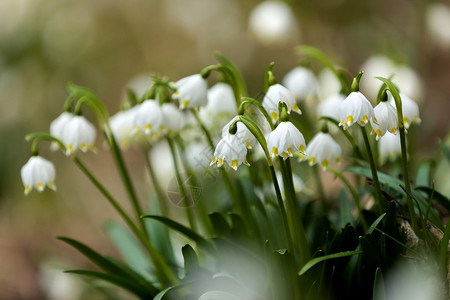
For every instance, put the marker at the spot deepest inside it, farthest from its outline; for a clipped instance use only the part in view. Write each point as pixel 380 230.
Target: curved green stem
pixel 258 104
pixel 354 195
pixel 315 170
pixel 378 196
pixel 117 154
pixel 165 271
pixel 181 186
pixel 401 128
pixel 162 200
pixel 347 135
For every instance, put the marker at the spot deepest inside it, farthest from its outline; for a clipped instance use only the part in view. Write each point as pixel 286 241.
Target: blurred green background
pixel 44 44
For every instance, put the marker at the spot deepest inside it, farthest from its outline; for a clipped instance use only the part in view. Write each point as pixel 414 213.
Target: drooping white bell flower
pixel 389 147
pixel 57 126
pixel 221 99
pixel 242 133
pixel 273 23
pixel 78 133
pixel 330 107
pixel 38 173
pixel 356 108
pixel 385 119
pixel 122 125
pixel 147 118
pixel 285 140
pixel 323 149
pixel 275 94
pixel 191 91
pixel 301 82
pixel 231 150
pixel 410 110
pixel 172 118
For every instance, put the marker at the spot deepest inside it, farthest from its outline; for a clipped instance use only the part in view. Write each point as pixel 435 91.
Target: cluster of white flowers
pixel 149 120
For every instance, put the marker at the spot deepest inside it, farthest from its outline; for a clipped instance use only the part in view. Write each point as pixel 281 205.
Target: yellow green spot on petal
pixel 285 155
pixel 234 164
pixel 274 116
pixel 375 120
pixel 184 103
pixel 312 160
pixel 40 186
pixel 394 130
pixel 296 108
pixel 378 133
pixel 83 146
pixel 289 150
pixel 274 151
pixel 324 163
pixel 365 118
pixel 342 122
pixel 213 160
pixel 27 189
pixel 338 160
pixel 162 128
pixel 51 185
pixel 349 120
pixel 148 127
pixel 246 162
pixel 247 144
pixel 406 120
pixel 138 128
pixel 302 148
pixel 220 162
pixel 372 132
pixel 69 148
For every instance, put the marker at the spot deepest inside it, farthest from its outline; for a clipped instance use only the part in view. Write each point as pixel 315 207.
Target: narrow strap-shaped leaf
pixel 190 259
pixel 202 242
pixel 379 291
pixel 108 265
pixel 124 282
pixel 317 260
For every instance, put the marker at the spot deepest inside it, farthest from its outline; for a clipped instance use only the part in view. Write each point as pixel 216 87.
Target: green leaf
pixel 220 225
pixel 345 209
pixel 423 174
pixel 443 251
pixel 202 242
pixel 130 250
pixel 443 200
pixel 371 256
pixel 190 259
pixel 317 260
pixel 379 292
pixel 375 223
pixel 124 282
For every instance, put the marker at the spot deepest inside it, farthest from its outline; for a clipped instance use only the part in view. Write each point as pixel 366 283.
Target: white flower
pixel 230 149
pixel 330 107
pixel 221 99
pixel 147 118
pixel 191 91
pixel 172 118
pixel 385 119
pixel 285 140
pixel 389 147
pixel 273 22
pixel 38 173
pixel 242 133
pixel 328 83
pixel 122 125
pixel 57 126
pixel 78 133
pixel 323 149
pixel 355 109
pixel 301 82
pixel 410 110
pixel 275 94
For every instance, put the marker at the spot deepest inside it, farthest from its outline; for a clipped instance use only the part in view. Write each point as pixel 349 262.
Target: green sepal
pixel 269 78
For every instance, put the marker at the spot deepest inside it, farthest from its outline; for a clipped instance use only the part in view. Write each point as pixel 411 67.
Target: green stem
pixel 354 195
pixel 284 217
pixel 162 200
pixel 181 186
pixel 401 128
pixel 378 196
pixel 323 202
pixel 117 154
pixel 162 267
pixel 299 231
pixel 201 204
pixel 347 135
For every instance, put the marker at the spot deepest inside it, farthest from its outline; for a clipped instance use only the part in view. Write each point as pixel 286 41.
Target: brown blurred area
pixel 44 44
